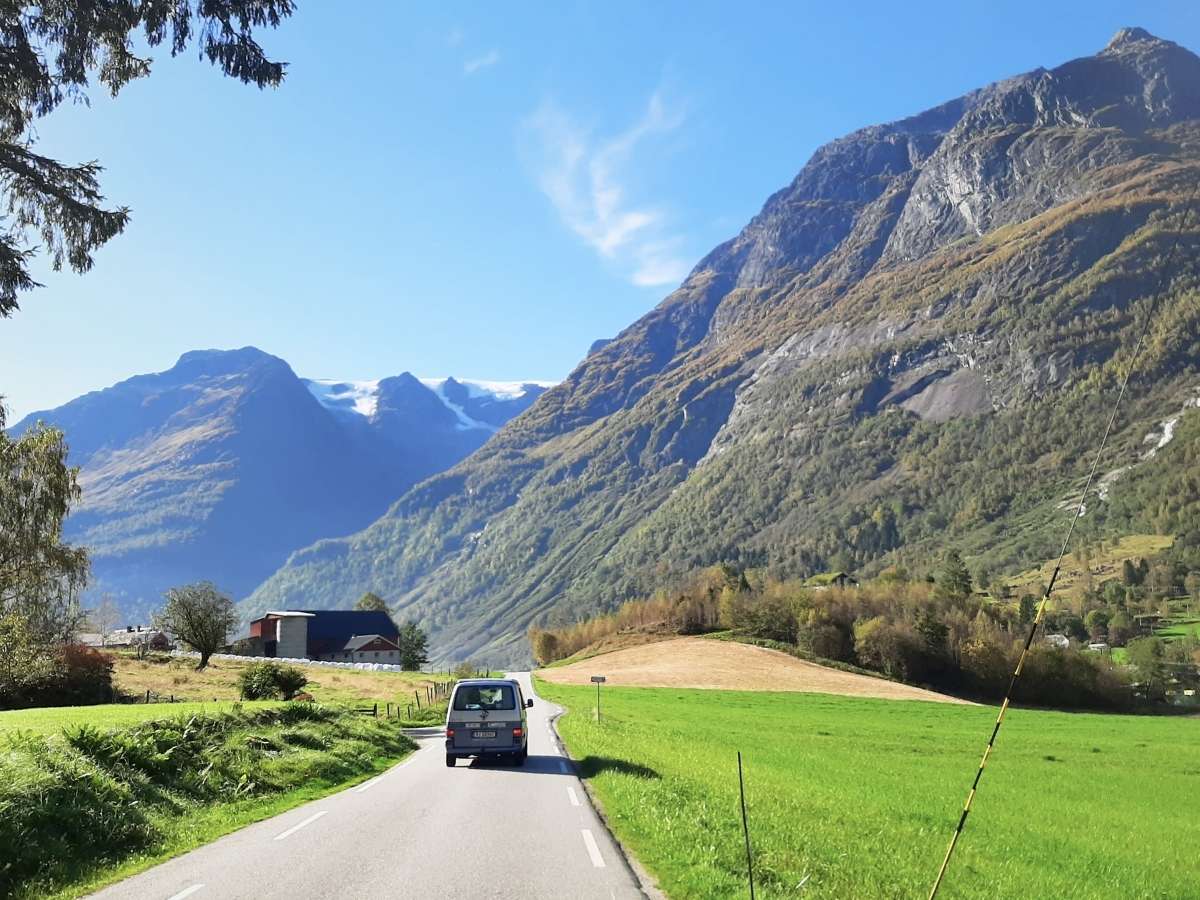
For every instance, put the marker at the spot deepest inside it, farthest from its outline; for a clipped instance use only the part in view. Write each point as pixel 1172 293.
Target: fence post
pixel 375 711
pixel 417 696
pixel 147 695
pixel 745 826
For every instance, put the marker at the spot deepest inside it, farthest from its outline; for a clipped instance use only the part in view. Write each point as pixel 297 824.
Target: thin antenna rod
pixel 746 826
pixel 1041 610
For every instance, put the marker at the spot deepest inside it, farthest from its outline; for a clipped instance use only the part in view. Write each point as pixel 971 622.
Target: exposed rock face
pixel 884 352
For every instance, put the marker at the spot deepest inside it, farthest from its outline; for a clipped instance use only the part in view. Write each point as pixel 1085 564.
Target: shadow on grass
pixel 591 766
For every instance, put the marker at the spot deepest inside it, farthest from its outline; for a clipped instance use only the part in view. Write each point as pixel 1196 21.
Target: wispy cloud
pixel 454 38
pixel 471 66
pixel 584 177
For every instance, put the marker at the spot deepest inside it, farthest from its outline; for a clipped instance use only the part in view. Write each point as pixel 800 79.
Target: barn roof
pixel 342 624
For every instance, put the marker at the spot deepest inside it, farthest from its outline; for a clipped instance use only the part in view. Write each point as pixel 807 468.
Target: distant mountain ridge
pixel 222 465
pixel 907 347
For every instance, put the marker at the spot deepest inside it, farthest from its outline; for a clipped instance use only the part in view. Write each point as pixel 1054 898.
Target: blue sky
pixel 480 189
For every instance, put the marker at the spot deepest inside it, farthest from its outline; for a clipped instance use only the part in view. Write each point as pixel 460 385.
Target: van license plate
pixel 484 734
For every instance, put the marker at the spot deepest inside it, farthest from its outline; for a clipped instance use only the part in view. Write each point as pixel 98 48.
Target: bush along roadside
pixel 271 681
pixel 85 802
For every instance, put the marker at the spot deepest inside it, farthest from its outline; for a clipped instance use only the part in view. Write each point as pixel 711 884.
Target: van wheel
pixel 519 758
pixel 449 760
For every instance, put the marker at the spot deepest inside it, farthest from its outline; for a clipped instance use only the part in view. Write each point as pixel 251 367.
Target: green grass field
pixel 53 719
pixel 1180 629
pixel 857 798
pixel 87 805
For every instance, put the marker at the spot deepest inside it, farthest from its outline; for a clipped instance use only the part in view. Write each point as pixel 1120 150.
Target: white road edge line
pixel 574 797
pixel 592 849
pixel 186 892
pixel 295 828
pixel 368 784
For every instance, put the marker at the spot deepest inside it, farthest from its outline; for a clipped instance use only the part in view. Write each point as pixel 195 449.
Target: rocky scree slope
pixel 913 344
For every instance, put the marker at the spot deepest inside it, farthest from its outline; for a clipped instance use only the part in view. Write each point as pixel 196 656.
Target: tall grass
pixel 88 799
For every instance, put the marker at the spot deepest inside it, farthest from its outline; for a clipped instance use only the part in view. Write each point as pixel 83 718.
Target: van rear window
pixel 485 697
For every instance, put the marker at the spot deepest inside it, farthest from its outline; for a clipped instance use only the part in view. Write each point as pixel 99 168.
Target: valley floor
pixel 856 797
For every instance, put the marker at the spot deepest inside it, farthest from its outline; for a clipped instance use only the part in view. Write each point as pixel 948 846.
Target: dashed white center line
pixel 186 892
pixel 573 796
pixel 295 828
pixel 592 849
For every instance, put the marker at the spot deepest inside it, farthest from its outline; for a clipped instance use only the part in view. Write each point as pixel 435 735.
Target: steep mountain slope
pixel 915 343
pixel 221 466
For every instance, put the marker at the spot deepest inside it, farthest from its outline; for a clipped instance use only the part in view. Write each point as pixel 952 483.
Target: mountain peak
pixel 1127 36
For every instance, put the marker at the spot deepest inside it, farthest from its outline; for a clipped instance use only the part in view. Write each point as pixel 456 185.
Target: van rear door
pixel 486 718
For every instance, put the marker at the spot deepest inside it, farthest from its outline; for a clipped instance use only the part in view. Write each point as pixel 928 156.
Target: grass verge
pixel 87 806
pixel 852 797
pixel 52 719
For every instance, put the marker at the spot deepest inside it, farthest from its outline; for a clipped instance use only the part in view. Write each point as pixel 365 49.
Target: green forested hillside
pixel 916 344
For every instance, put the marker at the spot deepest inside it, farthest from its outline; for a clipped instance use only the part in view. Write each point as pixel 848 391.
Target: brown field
pixel 177 677
pixel 724 665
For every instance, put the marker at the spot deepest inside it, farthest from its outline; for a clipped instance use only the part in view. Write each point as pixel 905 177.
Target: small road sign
pixel 598 680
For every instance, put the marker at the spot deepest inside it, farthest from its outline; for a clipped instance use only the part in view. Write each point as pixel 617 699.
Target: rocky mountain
pixel 223 465
pixel 914 345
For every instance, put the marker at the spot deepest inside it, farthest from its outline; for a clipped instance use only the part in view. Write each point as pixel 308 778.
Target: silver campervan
pixel 486 719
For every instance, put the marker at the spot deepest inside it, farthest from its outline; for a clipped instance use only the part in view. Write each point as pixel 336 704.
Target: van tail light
pixel 450 733
pixel 517 732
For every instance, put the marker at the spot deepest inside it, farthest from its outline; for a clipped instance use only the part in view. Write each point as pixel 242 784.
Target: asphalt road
pixel 418 830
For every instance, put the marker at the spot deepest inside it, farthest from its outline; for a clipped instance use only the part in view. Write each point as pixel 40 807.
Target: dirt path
pixel 725 665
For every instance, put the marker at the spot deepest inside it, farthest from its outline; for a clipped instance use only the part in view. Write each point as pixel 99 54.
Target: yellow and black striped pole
pixel 1079 510
pixel 987 751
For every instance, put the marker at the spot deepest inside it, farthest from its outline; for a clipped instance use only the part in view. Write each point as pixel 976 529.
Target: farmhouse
pixel 340 635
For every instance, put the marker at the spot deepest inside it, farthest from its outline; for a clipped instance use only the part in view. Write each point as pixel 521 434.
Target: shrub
pixel 773 619
pixel 290 681
pixel 545 647
pixel 828 641
pixel 83 676
pixel 895 650
pixel 68 675
pixel 271 681
pixel 466 669
pixel 1071 679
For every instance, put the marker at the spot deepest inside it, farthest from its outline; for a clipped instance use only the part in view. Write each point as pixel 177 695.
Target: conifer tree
pixel 51 52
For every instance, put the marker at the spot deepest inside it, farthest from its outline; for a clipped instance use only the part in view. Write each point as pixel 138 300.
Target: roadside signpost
pixel 598 680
